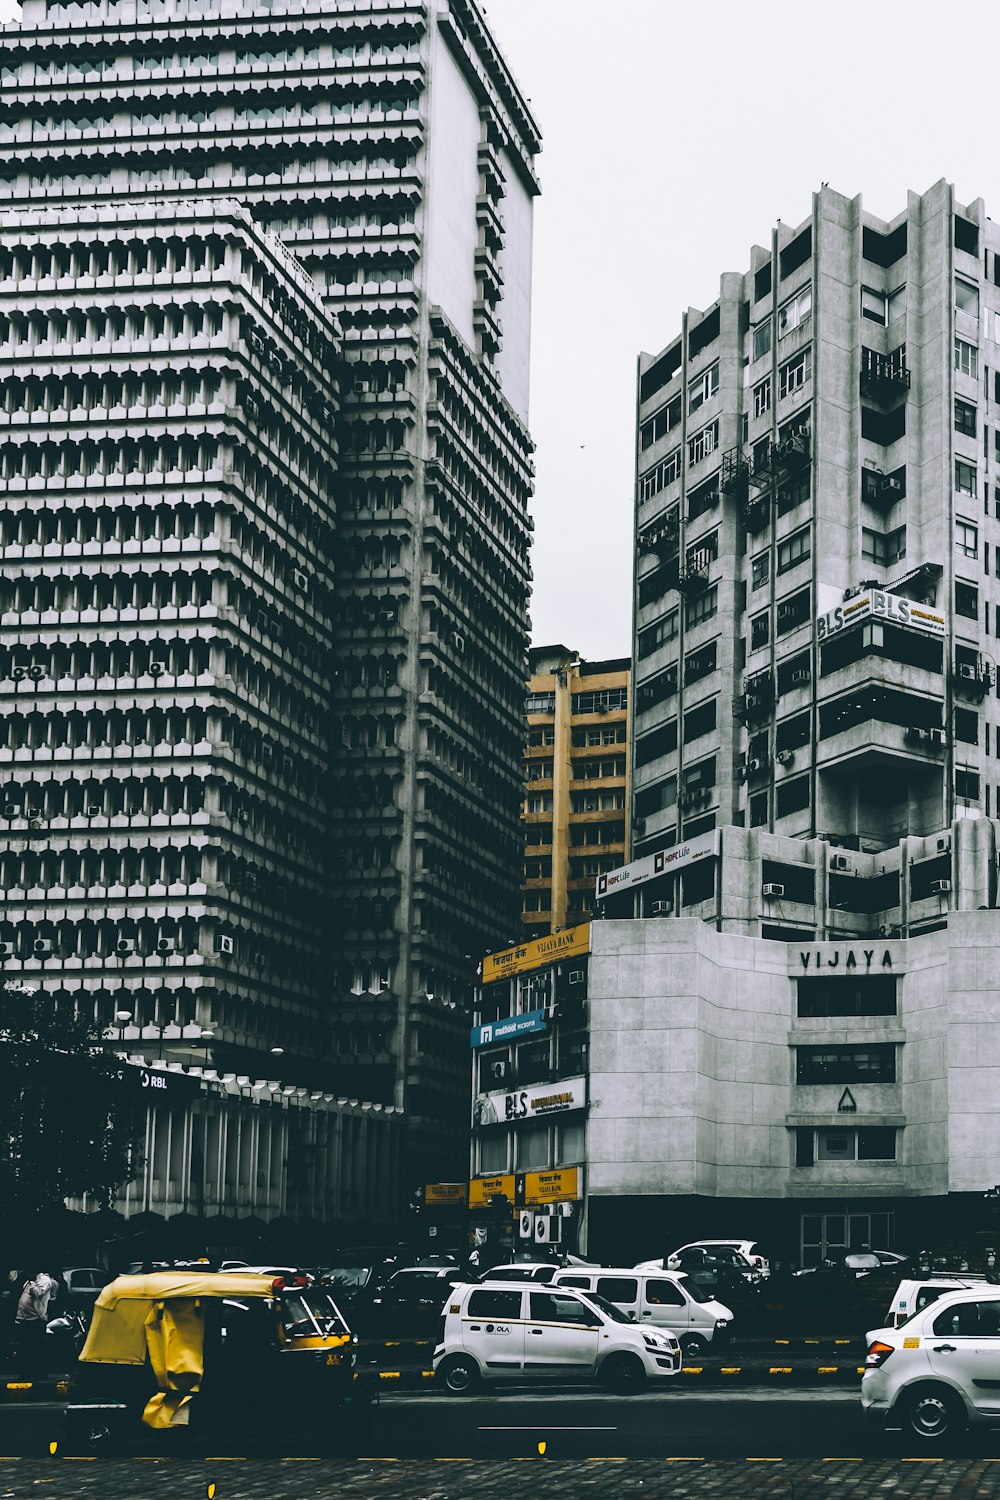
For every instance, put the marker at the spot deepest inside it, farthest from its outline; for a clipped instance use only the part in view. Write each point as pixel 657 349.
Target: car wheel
pixel 624 1373
pixel 693 1345
pixel 932 1414
pixel 459 1375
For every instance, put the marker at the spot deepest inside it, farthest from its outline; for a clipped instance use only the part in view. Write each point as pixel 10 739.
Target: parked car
pixel 501 1331
pixel 657 1299
pixel 854 1263
pixel 890 1258
pixel 696 1263
pixel 527 1270
pixel 912 1296
pixel 80 1288
pixel 750 1249
pixel 932 1375
pixel 409 1303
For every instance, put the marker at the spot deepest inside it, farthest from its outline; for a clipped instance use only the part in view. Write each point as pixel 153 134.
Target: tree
pixel 69 1111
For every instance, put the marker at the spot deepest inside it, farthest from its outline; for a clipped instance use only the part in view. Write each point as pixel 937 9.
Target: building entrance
pixel 838 1233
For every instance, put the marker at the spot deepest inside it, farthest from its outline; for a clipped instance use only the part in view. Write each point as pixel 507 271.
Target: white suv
pixel 502 1331
pixel 940 1370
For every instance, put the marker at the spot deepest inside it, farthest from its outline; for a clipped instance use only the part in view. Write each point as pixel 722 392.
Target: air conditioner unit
pixel 498 1071
pixel 800 676
pixel 839 862
pixel 10 809
pixel 32 812
pixel 851 593
pixel 576 976
pixel 243 813
pixel 458 640
pixel 36 673
pixel 940 887
pixel 661 909
pixel 785 757
pixel 966 672
pixel 943 844
pixel 890 485
pixel 301 580
pixel 41 946
pixel 6 949
pixel 166 945
pixel 157 668
pixel 753 766
pixel 19 673
pixel 93 810
pixel 125 946
pixel 308 721
pixel 912 735
pixel 225 944
pixel 935 737
pixel 771 889
pixel 786 611
pixel 267 754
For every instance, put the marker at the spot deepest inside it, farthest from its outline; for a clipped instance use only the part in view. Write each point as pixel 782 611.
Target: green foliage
pixel 69 1111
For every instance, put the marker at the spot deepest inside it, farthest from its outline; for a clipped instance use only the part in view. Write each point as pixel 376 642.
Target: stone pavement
pixel 469 1479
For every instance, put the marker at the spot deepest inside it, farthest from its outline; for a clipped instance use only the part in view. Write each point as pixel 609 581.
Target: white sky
pixel 675 135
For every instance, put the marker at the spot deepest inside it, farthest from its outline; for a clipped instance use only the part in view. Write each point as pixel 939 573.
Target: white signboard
pixel 876 604
pixel 660 863
pixel 531 1103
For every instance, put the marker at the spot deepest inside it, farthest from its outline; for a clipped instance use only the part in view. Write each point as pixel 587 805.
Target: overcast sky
pixel 675 135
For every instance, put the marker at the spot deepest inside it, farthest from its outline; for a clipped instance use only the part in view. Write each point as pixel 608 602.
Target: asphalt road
pixel 750 1424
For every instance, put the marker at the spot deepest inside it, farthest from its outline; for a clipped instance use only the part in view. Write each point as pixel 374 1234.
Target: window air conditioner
pixel 260 959
pixel 800 676
pixel 19 673
pixel 576 976
pixel 940 887
pixel 41 946
pixel 785 757
pixel 93 810
pixel 944 844
pixel 10 809
pixel 890 485
pixel 225 944
pixel 966 672
pixel 935 737
pixel 458 640
pixel 166 945
pixel 839 862
pixel 6 949
pixel 36 673
pixel 125 946
pixel 662 908
pixel 498 1071
pixel 771 889
pixel 301 580
pixel 157 668
pixel 32 812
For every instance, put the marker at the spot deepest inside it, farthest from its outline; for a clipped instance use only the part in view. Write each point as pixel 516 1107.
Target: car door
pixel 964 1346
pixel 664 1305
pixel 561 1335
pixel 493 1330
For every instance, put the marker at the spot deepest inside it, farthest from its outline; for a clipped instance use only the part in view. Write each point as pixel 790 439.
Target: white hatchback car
pixel 940 1370
pixel 500 1331
pixel 749 1249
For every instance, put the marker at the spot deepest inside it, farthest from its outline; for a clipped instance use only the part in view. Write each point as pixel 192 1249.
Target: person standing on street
pixel 30 1320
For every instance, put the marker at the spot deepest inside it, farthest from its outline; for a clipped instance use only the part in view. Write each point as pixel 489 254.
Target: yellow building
pixel 576 775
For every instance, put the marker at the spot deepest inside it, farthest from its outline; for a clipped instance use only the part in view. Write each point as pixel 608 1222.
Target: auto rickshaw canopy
pixel 118 1331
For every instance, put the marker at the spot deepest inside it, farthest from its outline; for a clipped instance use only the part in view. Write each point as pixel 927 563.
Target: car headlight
pixel 722 1322
pixel 655 1341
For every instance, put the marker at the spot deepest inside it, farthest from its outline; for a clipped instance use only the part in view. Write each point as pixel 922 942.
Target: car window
pixel 583 1282
pixel 618 1288
pixel 550 1307
pixel 959 1321
pixel 609 1309
pixel 510 1273
pixel 929 1294
pixel 488 1303
pixel 664 1294
pixel 695 1292
pixel 989 1319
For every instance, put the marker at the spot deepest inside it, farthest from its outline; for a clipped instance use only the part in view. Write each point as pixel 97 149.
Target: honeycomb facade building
pixel 389 148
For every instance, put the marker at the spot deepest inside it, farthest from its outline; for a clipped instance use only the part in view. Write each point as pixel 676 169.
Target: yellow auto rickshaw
pixel 225 1354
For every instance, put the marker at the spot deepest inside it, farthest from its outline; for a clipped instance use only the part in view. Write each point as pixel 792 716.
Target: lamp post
pixel 123 1017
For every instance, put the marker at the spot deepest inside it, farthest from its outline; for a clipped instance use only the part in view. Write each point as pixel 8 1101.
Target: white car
pixel 748 1248
pixel 528 1331
pixel 939 1371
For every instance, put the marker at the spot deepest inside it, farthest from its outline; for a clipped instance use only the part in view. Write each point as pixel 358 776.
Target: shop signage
pixel 863 961
pixel 531 1104
pixel 148 1080
pixel 663 862
pixel 482 1189
pixel 876 604
pixel 509 1029
pixel 446 1194
pixel 536 954
pixel 552 1187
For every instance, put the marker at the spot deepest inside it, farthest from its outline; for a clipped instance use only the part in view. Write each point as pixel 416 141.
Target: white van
pixel 503 1331
pixel 912 1296
pixel 658 1299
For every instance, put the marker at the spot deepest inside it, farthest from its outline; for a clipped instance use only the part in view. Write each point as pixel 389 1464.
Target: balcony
pixel 755 512
pixel 973 680
pixel 692 576
pixel 661 539
pixel 735 476
pixel 876 740
pixel 883 379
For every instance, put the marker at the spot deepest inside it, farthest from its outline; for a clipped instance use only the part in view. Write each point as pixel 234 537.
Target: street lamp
pixel 123 1017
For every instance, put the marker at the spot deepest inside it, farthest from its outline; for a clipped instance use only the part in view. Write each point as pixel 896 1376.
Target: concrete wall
pixel 453 185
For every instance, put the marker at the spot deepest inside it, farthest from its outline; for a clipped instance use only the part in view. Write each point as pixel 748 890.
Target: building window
pixel 794 493
pixel 883 548
pixel 538 802
pixel 967 726
pixel 966 297
pixel 703 387
pixel 871 1143
pixel 661 422
pixel 793 612
pixel 965 418
pixel 967 600
pixel 965 477
pixel 875 1063
pixel 665 472
pixel 703 499
pixel 794 312
pixel 882 307
pixel 793 375
pixel 699 721
pixel 760 630
pixel 494 1153
pixel 967 785
pixel 967 538
pixel 758 810
pixel 702 607
pixel 760 570
pixel 703 443
pixel 791 796
pixel 762 395
pixel 540 703
pixel 762 339
pixel 794 549
pixel 700 663
pixel 967 358
pixel 603 700
pixel 657 635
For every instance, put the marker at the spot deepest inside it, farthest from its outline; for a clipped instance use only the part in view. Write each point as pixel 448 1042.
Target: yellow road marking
pixel 730 1369
pixel 841 1460
pixel 684 1460
pixel 780 1370
pixel 842 1341
pixel 765 1460
pixel 827 1369
pixel 922 1460
pixel 693 1370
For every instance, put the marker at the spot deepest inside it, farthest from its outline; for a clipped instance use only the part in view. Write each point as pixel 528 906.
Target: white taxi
pixel 500 1331
pixel 939 1371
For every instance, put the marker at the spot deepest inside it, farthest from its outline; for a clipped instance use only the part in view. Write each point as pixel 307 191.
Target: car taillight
pixel 877 1355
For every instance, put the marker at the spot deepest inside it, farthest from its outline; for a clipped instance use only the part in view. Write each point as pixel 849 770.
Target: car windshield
pixel 608 1308
pixel 695 1292
pixel 310 1314
pixel 348 1275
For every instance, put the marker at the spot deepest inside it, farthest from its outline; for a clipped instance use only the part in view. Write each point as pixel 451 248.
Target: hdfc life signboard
pixel 876 604
pixel 663 862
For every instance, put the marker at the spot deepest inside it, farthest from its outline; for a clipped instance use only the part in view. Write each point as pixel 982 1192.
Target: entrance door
pixel 835 1234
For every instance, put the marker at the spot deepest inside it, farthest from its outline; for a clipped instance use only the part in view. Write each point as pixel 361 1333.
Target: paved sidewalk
pixel 466 1479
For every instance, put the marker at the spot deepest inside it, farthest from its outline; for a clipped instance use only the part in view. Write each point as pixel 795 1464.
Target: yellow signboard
pixel 446 1194
pixel 552 1187
pixel 537 954
pixel 482 1189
